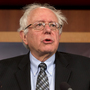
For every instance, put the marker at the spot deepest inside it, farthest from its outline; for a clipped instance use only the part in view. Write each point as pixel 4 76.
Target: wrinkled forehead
pixel 41 13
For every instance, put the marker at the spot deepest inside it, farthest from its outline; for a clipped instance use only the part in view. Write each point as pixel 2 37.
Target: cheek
pixel 30 37
pixel 33 37
pixel 57 36
pixel 57 39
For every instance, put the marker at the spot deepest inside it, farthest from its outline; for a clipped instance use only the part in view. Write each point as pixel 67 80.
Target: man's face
pixel 43 41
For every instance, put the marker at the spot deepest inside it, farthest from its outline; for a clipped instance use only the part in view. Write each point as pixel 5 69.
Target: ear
pixel 23 37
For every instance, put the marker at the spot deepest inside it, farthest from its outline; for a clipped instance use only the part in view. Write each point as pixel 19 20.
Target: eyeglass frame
pixel 44 24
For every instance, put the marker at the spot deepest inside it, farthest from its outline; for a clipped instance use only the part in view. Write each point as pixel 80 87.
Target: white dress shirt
pixel 35 70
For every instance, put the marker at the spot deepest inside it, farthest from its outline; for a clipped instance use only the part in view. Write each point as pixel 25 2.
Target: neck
pixel 43 56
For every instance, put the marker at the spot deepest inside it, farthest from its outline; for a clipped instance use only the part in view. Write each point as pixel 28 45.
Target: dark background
pixel 64 4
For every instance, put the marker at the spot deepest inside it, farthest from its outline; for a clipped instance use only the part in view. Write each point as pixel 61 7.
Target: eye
pixel 52 24
pixel 39 24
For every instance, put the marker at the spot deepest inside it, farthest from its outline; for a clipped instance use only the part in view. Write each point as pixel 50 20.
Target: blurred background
pixel 75 38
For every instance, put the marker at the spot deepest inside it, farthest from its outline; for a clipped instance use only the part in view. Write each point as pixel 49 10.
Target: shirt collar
pixel 35 62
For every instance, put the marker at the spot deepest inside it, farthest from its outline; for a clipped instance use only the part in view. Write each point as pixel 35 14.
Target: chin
pixel 49 51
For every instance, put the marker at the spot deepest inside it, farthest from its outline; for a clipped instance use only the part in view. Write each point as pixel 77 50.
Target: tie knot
pixel 43 66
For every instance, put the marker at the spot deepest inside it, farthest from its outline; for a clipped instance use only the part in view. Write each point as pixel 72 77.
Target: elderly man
pixel 43 68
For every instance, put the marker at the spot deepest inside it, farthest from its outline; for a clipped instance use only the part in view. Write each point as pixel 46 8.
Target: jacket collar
pixel 23 73
pixel 62 73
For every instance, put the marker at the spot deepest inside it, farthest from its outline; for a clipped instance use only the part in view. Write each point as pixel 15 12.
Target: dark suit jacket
pixel 73 69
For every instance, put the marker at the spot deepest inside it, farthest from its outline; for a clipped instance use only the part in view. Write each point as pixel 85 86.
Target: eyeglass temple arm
pixel 28 26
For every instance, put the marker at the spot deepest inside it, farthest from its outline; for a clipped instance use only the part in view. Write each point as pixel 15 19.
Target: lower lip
pixel 47 42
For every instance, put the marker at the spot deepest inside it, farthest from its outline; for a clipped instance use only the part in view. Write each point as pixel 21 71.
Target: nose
pixel 47 29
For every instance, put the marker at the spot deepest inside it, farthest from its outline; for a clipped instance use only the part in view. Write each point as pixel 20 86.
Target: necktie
pixel 42 79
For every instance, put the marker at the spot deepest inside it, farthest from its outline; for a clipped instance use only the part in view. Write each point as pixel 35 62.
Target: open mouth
pixel 47 41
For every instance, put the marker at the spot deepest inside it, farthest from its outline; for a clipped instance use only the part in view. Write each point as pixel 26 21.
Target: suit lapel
pixel 62 73
pixel 23 74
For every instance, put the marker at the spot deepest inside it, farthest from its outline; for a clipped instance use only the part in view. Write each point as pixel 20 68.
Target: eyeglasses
pixel 41 25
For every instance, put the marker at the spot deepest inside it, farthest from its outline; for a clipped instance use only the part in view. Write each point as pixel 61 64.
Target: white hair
pixel 23 20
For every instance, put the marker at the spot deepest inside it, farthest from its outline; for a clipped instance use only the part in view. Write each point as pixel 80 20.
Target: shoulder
pixel 11 65
pixel 74 62
pixel 72 56
pixel 8 61
pixel 74 59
